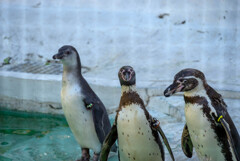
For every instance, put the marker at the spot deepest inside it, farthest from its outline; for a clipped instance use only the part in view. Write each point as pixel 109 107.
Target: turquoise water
pixel 35 137
pixel 31 137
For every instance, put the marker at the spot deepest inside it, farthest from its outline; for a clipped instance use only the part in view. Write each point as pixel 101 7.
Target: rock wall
pixel 157 38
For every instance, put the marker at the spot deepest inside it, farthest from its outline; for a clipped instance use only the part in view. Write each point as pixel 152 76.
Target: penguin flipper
pixel 224 118
pixel 186 142
pixel 101 122
pixel 108 142
pixel 156 125
pixel 166 142
pixel 229 136
pixel 100 118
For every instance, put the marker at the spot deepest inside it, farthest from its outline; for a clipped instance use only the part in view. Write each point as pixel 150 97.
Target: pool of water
pixel 31 137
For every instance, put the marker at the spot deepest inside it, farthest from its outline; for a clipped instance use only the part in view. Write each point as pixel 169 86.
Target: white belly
pixel 136 142
pixel 80 119
pixel 202 136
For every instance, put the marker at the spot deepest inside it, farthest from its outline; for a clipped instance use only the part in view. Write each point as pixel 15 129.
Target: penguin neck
pixel 71 74
pixel 72 69
pixel 128 89
pixel 72 64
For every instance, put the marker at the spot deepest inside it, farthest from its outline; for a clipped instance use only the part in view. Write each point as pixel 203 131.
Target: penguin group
pixel 209 128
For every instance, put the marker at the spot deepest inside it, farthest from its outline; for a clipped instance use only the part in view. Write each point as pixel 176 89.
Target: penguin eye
pixel 67 52
pixel 130 70
pixel 182 80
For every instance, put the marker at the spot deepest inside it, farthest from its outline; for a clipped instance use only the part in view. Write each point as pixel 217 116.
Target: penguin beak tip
pixel 169 91
pixel 166 93
pixel 56 56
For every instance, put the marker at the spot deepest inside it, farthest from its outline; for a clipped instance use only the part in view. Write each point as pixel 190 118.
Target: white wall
pixel 109 34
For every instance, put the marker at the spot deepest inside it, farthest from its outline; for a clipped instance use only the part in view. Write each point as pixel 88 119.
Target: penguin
pixel 137 139
pixel 209 128
pixel 84 111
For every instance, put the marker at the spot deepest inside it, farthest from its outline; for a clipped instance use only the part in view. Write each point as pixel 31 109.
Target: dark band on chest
pixel 129 98
pixel 195 100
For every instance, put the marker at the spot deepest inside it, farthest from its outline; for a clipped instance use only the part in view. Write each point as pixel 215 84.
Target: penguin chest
pixel 203 137
pixel 80 119
pixel 136 141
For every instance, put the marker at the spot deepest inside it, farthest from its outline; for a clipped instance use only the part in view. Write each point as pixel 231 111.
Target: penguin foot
pixel 84 158
pixel 95 157
pixel 85 155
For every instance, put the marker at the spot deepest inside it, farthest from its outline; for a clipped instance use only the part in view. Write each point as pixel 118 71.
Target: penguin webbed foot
pixel 85 155
pixel 186 142
pixel 84 158
pixel 96 157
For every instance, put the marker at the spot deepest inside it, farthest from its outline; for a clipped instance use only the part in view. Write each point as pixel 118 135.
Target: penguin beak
pixel 173 88
pixel 127 76
pixel 58 55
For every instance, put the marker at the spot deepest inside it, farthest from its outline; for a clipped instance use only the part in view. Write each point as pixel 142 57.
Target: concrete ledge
pixel 15 104
pixel 41 93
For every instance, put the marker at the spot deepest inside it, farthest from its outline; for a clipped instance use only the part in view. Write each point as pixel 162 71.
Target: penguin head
pixel 68 55
pixel 127 76
pixel 184 81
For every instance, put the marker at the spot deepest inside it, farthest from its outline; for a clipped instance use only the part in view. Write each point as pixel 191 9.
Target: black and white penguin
pixel 209 128
pixel 84 111
pixel 137 140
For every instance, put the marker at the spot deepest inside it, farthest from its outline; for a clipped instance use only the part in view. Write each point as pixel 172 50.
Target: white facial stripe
pixel 200 91
pixel 197 90
pixel 188 77
pixel 179 81
pixel 183 78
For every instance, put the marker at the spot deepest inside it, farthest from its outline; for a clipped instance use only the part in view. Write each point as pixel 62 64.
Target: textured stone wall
pixel 158 38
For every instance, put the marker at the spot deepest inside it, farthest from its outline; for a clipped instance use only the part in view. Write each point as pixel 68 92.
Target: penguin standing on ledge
pixel 137 139
pixel 84 111
pixel 209 128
